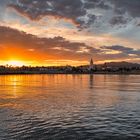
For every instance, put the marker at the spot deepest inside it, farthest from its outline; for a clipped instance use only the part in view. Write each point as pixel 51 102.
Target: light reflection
pixel 91 81
pixel 69 93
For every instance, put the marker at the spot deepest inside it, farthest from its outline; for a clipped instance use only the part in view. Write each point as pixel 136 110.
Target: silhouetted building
pixel 91 66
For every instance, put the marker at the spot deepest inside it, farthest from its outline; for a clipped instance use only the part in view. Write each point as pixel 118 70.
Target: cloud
pixel 65 9
pixel 55 47
pixel 97 16
pixel 123 50
pixel 118 20
pixel 60 48
pixel 132 7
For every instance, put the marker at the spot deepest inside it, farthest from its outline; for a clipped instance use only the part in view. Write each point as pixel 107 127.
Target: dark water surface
pixel 69 107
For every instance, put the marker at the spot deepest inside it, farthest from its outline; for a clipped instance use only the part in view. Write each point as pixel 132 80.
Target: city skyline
pixel 52 33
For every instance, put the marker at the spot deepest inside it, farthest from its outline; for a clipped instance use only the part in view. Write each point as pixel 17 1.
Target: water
pixel 69 107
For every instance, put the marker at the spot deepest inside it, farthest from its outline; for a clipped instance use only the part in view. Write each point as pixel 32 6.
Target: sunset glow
pixel 16 63
pixel 31 36
pixel 69 69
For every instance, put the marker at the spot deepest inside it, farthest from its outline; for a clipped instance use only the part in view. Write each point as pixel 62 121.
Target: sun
pixel 15 63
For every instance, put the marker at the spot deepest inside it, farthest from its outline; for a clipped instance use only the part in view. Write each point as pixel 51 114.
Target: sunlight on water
pixel 69 107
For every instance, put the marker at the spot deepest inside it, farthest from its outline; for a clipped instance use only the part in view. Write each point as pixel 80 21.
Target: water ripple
pixel 72 107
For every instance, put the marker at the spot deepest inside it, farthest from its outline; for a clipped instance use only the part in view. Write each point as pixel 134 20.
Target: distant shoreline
pixel 94 73
pixel 112 68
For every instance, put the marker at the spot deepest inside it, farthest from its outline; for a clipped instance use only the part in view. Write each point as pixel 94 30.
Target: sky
pixel 69 32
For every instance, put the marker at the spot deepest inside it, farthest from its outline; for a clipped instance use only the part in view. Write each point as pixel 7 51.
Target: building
pixel 91 66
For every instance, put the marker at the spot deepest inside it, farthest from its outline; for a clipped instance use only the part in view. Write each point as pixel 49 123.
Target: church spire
pixel 91 66
pixel 91 61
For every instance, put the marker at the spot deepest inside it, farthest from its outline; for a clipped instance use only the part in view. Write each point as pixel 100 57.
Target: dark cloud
pixel 75 10
pixel 72 10
pixel 132 7
pixel 92 19
pixel 60 47
pixel 118 20
pixel 57 47
pixel 66 9
pixel 91 4
pixel 123 50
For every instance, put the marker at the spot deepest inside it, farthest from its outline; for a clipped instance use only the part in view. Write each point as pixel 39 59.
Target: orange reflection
pixel 60 90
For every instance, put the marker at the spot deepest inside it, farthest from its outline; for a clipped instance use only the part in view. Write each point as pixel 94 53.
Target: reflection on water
pixel 69 107
pixel 91 81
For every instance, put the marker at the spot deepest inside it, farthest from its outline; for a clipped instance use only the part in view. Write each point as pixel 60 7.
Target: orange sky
pixel 33 37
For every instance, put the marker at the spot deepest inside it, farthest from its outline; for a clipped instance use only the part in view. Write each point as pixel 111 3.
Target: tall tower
pixel 91 66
